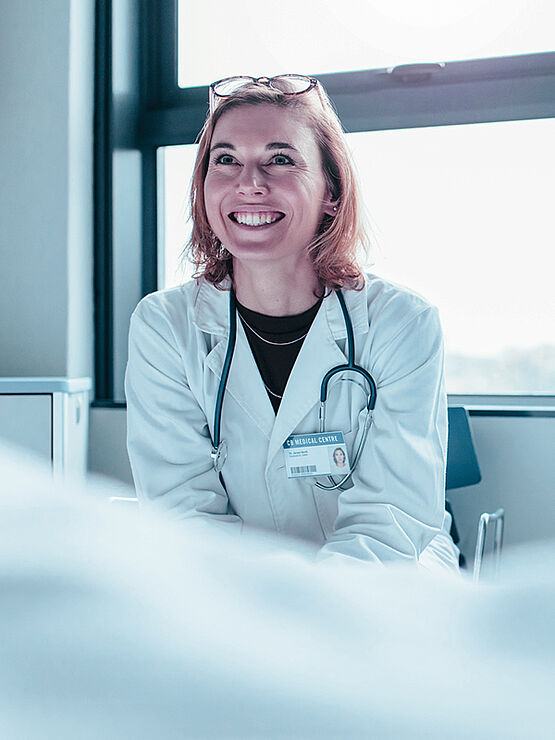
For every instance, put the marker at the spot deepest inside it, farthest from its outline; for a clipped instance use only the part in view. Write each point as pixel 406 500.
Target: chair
pixel 499 518
pixel 462 463
pixel 463 470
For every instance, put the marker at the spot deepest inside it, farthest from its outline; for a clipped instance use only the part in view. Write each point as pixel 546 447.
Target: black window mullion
pixel 149 221
pixel 160 38
pixel 103 218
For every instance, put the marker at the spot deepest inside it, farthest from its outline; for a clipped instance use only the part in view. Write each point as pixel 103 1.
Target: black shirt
pixel 275 361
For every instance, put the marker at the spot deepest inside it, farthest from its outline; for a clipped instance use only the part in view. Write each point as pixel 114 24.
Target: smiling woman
pixel 227 418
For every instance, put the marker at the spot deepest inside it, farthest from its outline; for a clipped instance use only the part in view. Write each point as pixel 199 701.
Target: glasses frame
pixel 213 95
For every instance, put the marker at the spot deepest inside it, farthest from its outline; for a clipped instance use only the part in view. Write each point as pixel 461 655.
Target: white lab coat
pixel 177 345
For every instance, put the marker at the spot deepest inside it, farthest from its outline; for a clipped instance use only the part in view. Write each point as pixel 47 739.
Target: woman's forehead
pixel 250 124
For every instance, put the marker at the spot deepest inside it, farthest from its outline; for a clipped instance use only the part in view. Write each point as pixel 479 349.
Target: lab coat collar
pixel 357 307
pixel 212 309
pixel 211 313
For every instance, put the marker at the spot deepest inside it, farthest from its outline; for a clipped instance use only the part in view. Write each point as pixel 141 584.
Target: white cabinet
pixel 49 417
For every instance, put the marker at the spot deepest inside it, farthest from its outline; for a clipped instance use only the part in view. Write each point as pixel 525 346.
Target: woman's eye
pixel 284 159
pixel 224 159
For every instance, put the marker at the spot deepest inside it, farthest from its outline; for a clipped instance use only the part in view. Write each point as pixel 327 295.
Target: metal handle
pixel 499 518
pixel 123 500
pixel 414 73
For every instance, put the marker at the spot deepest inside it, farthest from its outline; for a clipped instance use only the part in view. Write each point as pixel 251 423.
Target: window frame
pixel 406 96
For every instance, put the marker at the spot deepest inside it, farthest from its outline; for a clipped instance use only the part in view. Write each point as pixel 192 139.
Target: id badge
pixel 309 455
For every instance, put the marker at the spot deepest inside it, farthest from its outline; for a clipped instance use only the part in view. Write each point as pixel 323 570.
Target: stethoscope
pixel 219 446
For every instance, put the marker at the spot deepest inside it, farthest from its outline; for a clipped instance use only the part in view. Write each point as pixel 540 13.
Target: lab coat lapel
pixel 319 353
pixel 244 382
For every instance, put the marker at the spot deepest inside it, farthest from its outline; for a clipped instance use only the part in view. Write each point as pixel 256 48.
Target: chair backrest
pixel 462 463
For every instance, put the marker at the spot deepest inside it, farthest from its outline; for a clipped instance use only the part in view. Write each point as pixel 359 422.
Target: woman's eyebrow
pixel 272 145
pixel 222 145
pixel 281 145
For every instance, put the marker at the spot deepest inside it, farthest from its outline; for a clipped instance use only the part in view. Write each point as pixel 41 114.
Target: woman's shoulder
pixel 195 304
pixel 396 313
pixel 162 314
pixel 182 300
pixel 167 300
pixel 383 294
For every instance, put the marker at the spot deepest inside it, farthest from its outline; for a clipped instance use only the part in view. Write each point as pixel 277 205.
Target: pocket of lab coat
pixel 326 502
pixel 326 507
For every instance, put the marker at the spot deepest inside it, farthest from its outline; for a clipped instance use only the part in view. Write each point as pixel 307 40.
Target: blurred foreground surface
pixel 116 625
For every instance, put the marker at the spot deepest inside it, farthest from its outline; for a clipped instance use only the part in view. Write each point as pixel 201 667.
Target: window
pixel 327 37
pixel 455 159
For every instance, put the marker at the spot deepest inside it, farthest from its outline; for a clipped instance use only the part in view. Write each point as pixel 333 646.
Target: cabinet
pixel 48 417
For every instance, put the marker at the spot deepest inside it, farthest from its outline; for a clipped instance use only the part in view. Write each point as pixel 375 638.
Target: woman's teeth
pixel 256 219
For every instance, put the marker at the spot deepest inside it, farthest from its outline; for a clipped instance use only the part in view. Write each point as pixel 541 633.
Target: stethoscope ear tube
pixel 219 448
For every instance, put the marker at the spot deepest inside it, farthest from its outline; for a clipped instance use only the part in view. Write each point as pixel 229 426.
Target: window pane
pixel 463 215
pixel 218 40
pixel 175 168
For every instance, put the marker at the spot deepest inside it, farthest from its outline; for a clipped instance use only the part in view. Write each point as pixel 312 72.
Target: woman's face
pixel 339 457
pixel 265 191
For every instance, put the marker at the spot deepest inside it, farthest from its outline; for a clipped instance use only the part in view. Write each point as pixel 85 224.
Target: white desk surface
pixel 45 385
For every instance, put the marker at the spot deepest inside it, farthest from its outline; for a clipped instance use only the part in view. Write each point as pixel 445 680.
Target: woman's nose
pixel 251 181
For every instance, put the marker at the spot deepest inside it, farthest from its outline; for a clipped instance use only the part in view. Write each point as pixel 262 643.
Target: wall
pixel 46 135
pixel 107 445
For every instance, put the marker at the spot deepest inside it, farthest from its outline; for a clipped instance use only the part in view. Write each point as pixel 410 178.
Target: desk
pixel 49 417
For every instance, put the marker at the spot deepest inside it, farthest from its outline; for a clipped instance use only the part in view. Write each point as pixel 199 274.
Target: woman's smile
pixel 256 219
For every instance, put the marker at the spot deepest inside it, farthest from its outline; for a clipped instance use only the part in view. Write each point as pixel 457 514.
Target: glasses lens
pixel 231 85
pixel 292 84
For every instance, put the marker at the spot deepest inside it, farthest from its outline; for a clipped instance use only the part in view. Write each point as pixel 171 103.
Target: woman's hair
pixel 334 247
pixel 338 449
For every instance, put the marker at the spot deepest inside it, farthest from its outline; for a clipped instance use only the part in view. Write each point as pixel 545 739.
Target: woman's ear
pixel 330 205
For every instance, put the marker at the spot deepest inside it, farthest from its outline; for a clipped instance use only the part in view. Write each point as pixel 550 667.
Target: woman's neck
pixel 275 290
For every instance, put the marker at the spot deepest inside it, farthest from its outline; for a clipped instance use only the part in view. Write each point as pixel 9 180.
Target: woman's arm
pixel 397 504
pixel 167 432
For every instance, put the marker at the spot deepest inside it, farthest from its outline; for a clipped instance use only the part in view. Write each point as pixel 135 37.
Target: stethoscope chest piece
pixel 219 456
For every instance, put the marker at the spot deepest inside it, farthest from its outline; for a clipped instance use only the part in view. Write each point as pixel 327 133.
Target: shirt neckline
pixel 279 325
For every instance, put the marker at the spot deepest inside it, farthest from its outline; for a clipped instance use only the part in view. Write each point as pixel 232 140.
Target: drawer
pixel 26 420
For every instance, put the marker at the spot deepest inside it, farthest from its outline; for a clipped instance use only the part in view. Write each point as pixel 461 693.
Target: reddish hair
pixel 334 247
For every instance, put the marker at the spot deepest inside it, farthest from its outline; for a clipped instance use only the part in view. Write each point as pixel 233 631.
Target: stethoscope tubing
pixel 219 452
